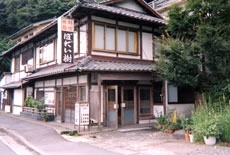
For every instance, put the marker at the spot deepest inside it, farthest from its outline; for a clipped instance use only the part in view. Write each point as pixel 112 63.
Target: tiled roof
pixel 123 12
pixel 88 64
pixel 13 85
pixel 49 71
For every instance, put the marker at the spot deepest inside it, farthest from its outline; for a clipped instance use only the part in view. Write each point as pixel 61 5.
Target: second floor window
pixel 115 39
pixel 26 56
pixel 46 53
pixel 17 64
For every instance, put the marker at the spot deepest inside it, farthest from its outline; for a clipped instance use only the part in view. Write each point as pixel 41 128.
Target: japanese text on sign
pixel 67 47
pixel 67 27
pixel 81 114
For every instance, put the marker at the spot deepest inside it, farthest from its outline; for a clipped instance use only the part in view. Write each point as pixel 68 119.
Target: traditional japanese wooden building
pixel 102 55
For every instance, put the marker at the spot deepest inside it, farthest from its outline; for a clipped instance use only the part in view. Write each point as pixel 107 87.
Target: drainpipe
pixel 99 101
pixel 166 97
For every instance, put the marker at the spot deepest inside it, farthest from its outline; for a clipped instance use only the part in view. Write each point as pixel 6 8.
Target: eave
pixel 84 9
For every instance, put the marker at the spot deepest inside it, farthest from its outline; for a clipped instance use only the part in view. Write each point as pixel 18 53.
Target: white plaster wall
pixel 83 40
pixel 17 110
pixel 104 54
pixel 83 79
pixel 75 43
pixel 158 110
pixel 103 20
pixel 147 48
pixel 182 109
pixel 15 77
pixel 128 24
pixel 59 42
pixel 130 4
pixel 18 101
pixel 94 88
pixel 129 56
pixel 7 108
pixel 49 83
pixel 70 80
pixel 59 82
pixel 18 97
pixel 39 84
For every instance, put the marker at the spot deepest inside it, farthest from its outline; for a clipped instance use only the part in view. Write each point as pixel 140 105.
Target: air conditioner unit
pixel 28 68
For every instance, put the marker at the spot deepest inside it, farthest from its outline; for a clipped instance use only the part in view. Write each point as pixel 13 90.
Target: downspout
pixel 99 102
pixel 166 97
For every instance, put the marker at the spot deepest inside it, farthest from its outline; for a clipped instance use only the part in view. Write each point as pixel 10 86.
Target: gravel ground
pixel 148 142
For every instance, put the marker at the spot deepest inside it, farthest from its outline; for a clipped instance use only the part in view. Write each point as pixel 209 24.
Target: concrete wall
pixel 182 109
pixel 18 100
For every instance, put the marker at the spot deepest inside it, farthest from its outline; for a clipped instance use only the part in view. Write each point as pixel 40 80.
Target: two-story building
pixel 100 55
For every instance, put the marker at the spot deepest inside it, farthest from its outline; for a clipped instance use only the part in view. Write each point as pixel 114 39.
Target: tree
pixel 5 62
pixel 16 14
pixel 196 50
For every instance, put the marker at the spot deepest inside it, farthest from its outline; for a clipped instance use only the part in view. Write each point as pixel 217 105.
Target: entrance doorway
pixel 121 105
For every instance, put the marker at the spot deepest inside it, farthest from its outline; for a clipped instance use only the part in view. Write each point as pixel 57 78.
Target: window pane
pixel 47 53
pixel 111 95
pixel 17 64
pixel 27 56
pixel 99 36
pixel 172 94
pixel 121 40
pixel 131 42
pixel 145 101
pixel 83 94
pixel 128 95
pixel 110 39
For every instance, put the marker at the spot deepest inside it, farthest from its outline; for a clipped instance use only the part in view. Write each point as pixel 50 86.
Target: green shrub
pixel 33 103
pixel 162 119
pixel 212 118
pixel 186 123
pixel 225 123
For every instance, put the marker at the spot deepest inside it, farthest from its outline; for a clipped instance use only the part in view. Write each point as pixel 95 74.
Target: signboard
pixel 49 98
pixel 67 29
pixel 81 114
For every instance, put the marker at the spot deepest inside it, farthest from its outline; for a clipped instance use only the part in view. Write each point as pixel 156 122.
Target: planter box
pixel 34 114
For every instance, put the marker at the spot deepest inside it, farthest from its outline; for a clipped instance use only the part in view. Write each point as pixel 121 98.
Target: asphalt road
pixel 39 139
pixel 4 148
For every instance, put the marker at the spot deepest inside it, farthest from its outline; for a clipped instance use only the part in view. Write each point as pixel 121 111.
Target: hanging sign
pixel 67 28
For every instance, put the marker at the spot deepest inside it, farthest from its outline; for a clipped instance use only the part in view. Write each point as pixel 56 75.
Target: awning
pixel 13 85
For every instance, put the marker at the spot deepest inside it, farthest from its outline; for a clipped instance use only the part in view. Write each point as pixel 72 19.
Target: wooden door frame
pixel 134 100
pixel 151 102
pixel 107 103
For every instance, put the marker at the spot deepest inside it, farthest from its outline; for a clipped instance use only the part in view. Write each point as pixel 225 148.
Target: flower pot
pixel 171 131
pixel 187 138
pixel 211 140
pixel 191 137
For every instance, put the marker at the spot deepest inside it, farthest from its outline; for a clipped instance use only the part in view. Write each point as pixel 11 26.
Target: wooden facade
pixel 113 70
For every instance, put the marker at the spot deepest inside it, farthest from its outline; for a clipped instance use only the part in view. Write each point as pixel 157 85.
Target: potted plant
pixel 172 126
pixel 210 129
pixel 186 124
pixel 44 117
pixel 162 121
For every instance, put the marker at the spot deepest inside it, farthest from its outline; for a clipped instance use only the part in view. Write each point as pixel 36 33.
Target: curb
pixel 22 141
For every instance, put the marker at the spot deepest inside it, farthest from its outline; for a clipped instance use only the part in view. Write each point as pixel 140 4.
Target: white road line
pixel 14 146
